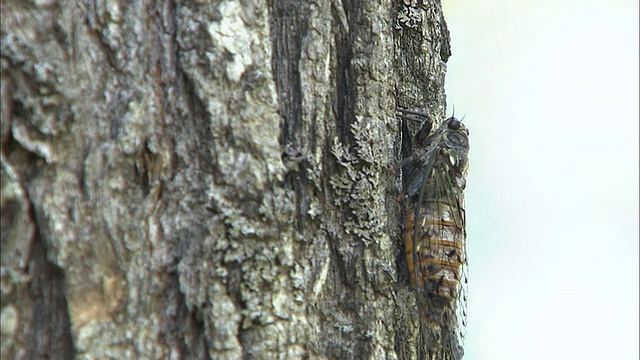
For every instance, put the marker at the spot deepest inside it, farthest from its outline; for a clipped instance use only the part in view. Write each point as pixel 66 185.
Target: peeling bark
pixel 187 179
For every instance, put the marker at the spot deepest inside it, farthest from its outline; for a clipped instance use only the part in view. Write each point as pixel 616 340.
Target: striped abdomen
pixel 436 247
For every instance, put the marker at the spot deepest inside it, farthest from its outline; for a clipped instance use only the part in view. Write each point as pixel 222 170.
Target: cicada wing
pixel 452 190
pixel 418 186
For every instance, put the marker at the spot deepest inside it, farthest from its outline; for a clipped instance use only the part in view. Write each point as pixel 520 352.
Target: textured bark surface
pixel 191 179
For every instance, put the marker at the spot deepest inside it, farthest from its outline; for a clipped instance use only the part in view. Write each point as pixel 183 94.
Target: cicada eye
pixel 454 124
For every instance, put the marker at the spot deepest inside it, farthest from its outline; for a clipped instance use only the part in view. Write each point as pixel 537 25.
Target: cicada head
pixel 455 141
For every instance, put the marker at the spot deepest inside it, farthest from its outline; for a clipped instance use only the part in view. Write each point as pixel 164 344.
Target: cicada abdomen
pixel 434 232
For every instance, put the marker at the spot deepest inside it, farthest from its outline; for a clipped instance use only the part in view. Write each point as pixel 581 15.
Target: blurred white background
pixel 550 93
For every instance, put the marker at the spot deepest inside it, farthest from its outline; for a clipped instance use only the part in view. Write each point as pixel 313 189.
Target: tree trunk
pixel 186 179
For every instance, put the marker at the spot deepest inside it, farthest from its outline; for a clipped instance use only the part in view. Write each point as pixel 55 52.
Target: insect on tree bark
pixel 189 179
pixel 434 232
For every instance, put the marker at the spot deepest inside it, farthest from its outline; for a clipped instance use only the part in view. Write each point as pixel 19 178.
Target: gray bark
pixel 190 179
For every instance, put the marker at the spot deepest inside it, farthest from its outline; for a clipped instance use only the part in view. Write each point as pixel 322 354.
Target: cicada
pixel 434 232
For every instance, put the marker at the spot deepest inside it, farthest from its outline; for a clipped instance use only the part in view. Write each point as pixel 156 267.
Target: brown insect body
pixel 434 232
pixel 439 253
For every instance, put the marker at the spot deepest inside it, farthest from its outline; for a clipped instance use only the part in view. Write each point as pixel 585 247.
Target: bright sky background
pixel 550 94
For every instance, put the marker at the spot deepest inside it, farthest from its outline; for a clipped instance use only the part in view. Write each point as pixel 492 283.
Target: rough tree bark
pixel 194 179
